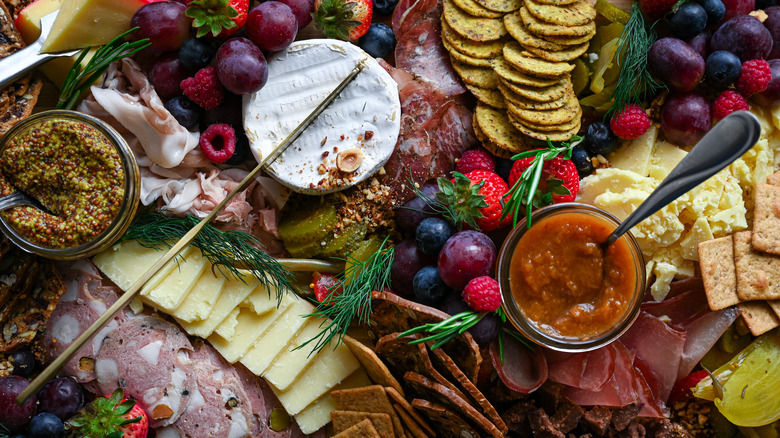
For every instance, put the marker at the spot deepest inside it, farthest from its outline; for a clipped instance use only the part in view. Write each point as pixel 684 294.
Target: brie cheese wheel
pixel 363 121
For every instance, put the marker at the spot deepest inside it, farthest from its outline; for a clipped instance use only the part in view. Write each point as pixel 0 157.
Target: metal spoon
pixel 723 144
pixel 20 198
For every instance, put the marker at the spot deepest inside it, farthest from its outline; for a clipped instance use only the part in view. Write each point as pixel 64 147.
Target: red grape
pixel 302 10
pixel 772 92
pixel 13 416
pixel 241 66
pixel 686 117
pixel 700 43
pixel 738 7
pixel 772 23
pixel 62 397
pixel 407 261
pixel 164 23
pixel 676 64
pixel 409 215
pixel 272 26
pixel 466 255
pixel 743 36
pixel 166 75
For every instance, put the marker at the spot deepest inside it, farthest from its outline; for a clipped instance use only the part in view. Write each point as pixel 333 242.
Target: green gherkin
pixel 346 240
pixel 308 225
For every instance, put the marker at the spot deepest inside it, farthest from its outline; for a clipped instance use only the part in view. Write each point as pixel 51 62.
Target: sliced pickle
pixel 612 12
pixel 307 225
pixel 605 62
pixel 362 253
pixel 305 250
pixel 579 76
pixel 598 100
pixel 351 235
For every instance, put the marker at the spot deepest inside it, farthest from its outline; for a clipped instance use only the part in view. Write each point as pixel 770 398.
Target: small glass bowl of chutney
pixel 561 287
pixel 81 171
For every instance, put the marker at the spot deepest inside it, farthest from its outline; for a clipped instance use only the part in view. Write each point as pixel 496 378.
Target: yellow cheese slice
pixel 201 299
pixel 273 341
pixel 317 414
pixel 635 155
pixel 171 291
pixel 293 360
pixel 82 23
pixel 126 262
pixel 665 157
pixel 233 293
pixel 261 302
pixel 227 328
pixel 249 328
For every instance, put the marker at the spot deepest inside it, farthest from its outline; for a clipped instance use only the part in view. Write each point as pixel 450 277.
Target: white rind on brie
pixel 299 79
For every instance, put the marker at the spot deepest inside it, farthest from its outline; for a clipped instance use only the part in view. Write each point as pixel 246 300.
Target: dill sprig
pixel 634 79
pixel 350 297
pixel 523 192
pixel 152 229
pixel 77 80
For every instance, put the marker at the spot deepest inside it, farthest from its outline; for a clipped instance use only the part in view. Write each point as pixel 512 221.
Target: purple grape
pixel 62 397
pixel 686 117
pixel 466 255
pixel 13 416
pixel 166 76
pixel 676 64
pixel 272 26
pixel 454 304
pixel 409 215
pixel 23 361
pixel 241 66
pixel 738 7
pixel 772 92
pixel 302 10
pixel 743 36
pixel 701 43
pixel 407 261
pixel 485 330
pixel 772 23
pixel 164 23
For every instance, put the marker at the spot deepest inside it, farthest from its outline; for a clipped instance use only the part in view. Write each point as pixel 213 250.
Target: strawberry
pixel 322 284
pixel 656 9
pixel 343 19
pixel 111 416
pixel 221 18
pixel 683 387
pixel 560 181
pixel 474 199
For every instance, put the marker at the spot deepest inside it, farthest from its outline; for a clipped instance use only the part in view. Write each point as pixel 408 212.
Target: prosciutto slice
pixel 591 370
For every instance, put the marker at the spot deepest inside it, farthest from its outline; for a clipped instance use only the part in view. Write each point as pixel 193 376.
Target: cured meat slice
pixel 149 358
pixel 521 370
pixel 590 370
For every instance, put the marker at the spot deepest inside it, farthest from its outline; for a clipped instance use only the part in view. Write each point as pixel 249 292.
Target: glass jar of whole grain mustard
pixel 561 288
pixel 81 170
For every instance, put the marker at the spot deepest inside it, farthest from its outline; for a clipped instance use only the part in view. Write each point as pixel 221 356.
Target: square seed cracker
pixel 766 222
pixel 759 317
pixel 343 420
pixel 758 274
pixel 775 306
pixel 364 429
pixel 368 399
pixel 718 271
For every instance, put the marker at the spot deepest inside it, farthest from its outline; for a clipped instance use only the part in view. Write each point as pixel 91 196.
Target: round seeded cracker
pixel 476 76
pixel 551 135
pixel 514 25
pixel 475 49
pixel 557 116
pixel 473 28
pixel 569 40
pixel 541 28
pixel 501 5
pixel 557 2
pixel 542 94
pixel 576 14
pixel 515 55
pixel 507 72
pixel 497 128
pixel 513 98
pixel 471 7
pixel 487 96
pixel 544 128
pixel 569 54
pixel 466 59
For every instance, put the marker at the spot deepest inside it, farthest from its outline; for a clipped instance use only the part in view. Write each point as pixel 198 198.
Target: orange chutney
pixel 564 282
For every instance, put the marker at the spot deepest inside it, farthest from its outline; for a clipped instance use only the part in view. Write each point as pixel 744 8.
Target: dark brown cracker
pixel 718 272
pixel 367 399
pixel 18 99
pixel 766 219
pixel 412 428
pixel 373 365
pixel 446 421
pixel 758 316
pixel 399 400
pixel 427 389
pixel 758 274
pixel 343 420
pixel 364 429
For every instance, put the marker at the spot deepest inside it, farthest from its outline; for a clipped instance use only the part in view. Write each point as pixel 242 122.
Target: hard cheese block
pixel 126 262
pixel 293 360
pixel 260 302
pixel 202 298
pixel 233 293
pixel 171 291
pixel 317 414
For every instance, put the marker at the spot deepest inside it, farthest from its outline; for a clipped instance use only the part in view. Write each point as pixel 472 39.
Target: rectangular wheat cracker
pixel 773 179
pixel 759 317
pixel 775 306
pixel 758 274
pixel 343 420
pixel 368 399
pixel 364 429
pixel 766 219
pixel 718 272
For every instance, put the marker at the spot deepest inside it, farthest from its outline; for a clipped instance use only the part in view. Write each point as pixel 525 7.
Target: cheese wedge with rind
pixel 171 291
pixel 317 415
pixel 202 298
pixel 233 293
pixel 293 360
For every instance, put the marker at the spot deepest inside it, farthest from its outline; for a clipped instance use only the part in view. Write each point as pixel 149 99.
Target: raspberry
pixel 631 122
pixel 475 159
pixel 482 294
pixel 218 142
pixel 754 77
pixel 728 102
pixel 204 88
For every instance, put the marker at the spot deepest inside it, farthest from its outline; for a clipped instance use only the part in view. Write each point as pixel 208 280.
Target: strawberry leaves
pixel 211 16
pixel 104 417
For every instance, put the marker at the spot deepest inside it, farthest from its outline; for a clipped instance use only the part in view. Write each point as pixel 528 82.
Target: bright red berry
pixel 682 388
pixel 204 88
pixel 112 415
pixel 754 77
pixel 322 285
pixel 631 122
pixel 482 294
pixel 728 102
pixel 476 159
pixel 494 189
pixel 218 142
pixel 559 178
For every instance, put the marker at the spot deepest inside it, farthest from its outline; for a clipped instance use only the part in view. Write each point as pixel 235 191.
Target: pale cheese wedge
pixel 249 329
pixel 261 301
pixel 233 293
pixel 227 328
pixel 126 262
pixel 82 23
pixel 327 370
pixel 317 415
pixel 168 294
pixel 273 341
pixel 293 360
pixel 202 298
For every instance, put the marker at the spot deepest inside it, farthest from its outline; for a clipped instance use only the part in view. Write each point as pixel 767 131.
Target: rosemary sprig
pixel 152 229
pixel 78 80
pixel 523 192
pixel 350 297
pixel 634 79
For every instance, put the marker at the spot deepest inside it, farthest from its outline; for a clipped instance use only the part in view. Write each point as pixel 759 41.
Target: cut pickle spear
pixel 347 239
pixel 308 225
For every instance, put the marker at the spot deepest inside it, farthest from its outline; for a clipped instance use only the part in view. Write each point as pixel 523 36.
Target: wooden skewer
pixel 54 367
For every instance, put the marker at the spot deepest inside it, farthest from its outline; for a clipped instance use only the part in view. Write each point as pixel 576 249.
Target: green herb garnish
pixel 458 201
pixel 152 229
pixel 634 79
pixel 523 192
pixel 78 80
pixel 350 297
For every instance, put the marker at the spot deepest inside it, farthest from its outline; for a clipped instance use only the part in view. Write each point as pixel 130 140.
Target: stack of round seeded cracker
pixel 523 83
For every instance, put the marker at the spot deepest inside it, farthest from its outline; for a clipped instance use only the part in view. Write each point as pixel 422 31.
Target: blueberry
pixel 384 7
pixel 429 288
pixel 599 139
pixel 379 41
pixel 722 68
pixel 185 111
pixel 196 53
pixel 485 330
pixel 242 150
pixel 45 425
pixel 23 361
pixel 689 20
pixel 504 168
pixel 431 235
pixel 715 10
pixel 582 160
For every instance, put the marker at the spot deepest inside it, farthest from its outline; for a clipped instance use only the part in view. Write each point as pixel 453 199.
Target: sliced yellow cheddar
pixel 233 293
pixel 227 328
pixel 202 298
pixel 261 302
pixel 83 23
pixel 293 360
pixel 170 292
pixel 317 414
pixel 126 262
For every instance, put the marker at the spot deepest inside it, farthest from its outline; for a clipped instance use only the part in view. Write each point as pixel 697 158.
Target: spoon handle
pixel 724 143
